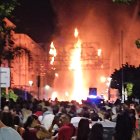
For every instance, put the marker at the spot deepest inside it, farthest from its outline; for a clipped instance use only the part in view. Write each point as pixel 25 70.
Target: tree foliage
pixel 137 42
pixel 123 1
pixel 7 7
pixel 8 51
pixel 127 75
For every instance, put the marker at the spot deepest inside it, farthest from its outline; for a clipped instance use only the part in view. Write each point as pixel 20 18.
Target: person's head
pixel 7 119
pixel 107 115
pixel 83 129
pixel 125 107
pixel 65 119
pixel 94 116
pixel 55 109
pixel 39 107
pixel 86 114
pixel 96 132
pixel 13 111
pixel 32 121
pixel 6 109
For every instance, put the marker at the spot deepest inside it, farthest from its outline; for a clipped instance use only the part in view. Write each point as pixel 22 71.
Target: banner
pixel 4 77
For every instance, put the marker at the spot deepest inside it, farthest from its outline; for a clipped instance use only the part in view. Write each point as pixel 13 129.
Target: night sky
pixel 36 18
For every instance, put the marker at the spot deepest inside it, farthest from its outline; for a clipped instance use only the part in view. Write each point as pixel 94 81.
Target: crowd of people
pixel 62 120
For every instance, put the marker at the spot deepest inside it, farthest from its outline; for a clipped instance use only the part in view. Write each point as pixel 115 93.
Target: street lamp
pixel 30 84
pixel 102 79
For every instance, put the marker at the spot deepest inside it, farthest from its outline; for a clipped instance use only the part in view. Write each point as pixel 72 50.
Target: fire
pixel 99 52
pixel 76 33
pixel 77 69
pixel 53 53
pixel 54 95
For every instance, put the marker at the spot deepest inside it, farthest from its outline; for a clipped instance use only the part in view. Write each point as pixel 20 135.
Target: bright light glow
pixel 92 96
pixel 102 66
pixel 107 84
pixel 47 87
pixel 106 90
pixel 76 66
pixel 99 51
pixel 30 83
pixel 54 95
pixel 52 52
pixel 108 81
pixel 56 75
pixel 66 94
pixel 102 79
pixel 76 33
pixel 105 97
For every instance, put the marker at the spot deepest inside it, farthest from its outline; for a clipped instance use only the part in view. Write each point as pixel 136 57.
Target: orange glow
pixel 102 79
pixel 75 65
pixel 54 95
pixel 53 53
pixel 66 94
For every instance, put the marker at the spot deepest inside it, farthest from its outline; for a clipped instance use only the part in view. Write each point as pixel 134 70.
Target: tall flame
pixel 77 69
pixel 76 33
pixel 52 52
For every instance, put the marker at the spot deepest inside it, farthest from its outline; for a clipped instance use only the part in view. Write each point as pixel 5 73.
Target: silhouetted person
pixel 96 132
pixel 124 126
pixel 83 130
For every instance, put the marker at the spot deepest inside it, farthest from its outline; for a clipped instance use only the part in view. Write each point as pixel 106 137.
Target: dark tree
pixel 124 1
pixel 129 77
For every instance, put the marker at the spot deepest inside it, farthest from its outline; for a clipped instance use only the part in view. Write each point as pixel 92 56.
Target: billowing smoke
pixel 99 21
